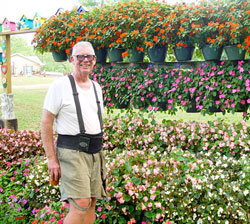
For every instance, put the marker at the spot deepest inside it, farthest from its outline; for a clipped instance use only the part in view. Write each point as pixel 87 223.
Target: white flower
pixel 199 221
pixel 220 211
pixel 194 217
pixel 245 192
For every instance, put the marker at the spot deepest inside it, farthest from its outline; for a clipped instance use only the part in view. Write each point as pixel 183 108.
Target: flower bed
pixel 174 172
pixel 225 86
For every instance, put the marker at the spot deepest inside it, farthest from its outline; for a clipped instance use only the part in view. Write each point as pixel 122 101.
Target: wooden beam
pixel 17 32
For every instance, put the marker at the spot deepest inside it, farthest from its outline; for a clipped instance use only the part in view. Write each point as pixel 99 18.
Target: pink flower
pixel 233 105
pixel 232 73
pixel 150 205
pixel 241 70
pixel 103 216
pixel 240 77
pixel 160 85
pixel 243 102
pixel 170 101
pixel 99 209
pixel 154 99
pixel 248 101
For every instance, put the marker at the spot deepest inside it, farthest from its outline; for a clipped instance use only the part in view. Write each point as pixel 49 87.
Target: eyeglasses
pixel 82 57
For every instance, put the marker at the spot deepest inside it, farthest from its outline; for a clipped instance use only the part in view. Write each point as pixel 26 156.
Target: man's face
pixel 83 59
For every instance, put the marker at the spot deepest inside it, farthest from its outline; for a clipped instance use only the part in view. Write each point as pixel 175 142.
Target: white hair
pixel 82 43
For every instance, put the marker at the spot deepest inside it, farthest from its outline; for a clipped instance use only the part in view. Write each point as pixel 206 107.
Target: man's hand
pixel 54 169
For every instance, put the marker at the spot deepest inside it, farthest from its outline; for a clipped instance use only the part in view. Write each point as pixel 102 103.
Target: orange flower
pixel 182 29
pixel 123 35
pixel 213 41
pixel 125 54
pixel 67 51
pixel 155 38
pixel 135 32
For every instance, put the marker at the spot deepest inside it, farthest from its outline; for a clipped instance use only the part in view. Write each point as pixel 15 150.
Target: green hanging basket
pixel 101 55
pixel 184 53
pixel 60 56
pixel 157 54
pixel 234 53
pixel 136 56
pixel 115 54
pixel 210 53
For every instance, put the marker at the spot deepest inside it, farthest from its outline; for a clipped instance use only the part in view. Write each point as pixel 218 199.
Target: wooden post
pixel 8 116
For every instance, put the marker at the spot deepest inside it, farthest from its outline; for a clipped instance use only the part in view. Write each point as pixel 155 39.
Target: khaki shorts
pixel 80 174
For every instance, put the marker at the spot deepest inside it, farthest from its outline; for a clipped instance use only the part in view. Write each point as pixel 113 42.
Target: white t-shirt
pixel 60 102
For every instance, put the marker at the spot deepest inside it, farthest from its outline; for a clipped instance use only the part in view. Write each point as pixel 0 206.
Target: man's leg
pixel 90 216
pixel 82 211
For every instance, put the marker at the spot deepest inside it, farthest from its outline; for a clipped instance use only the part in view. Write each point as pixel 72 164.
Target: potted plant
pixel 96 34
pixel 156 31
pixel 207 30
pixel 235 29
pixel 182 34
pixel 59 33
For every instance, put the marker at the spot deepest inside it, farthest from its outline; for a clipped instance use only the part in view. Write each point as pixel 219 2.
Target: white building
pixel 25 65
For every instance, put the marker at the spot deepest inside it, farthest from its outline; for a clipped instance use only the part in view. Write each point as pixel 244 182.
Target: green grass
pixel 31 80
pixel 28 106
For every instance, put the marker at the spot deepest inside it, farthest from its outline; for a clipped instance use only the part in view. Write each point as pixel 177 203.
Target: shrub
pixel 184 172
pixel 20 144
pixel 14 203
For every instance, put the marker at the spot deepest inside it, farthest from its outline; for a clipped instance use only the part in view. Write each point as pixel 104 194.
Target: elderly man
pixel 75 102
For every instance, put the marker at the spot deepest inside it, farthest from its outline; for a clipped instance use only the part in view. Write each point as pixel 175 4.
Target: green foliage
pixel 20 45
pixel 224 86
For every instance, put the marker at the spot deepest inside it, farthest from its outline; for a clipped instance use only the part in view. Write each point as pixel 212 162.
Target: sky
pixel 13 10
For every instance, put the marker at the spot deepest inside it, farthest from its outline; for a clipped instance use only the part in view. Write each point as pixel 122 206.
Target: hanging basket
pixel 157 54
pixel 234 53
pixel 101 55
pixel 115 54
pixel 60 56
pixel 210 53
pixel 136 56
pixel 243 107
pixel 184 53
pixel 192 106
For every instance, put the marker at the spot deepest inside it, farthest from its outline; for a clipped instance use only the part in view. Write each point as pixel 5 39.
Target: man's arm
pixel 48 144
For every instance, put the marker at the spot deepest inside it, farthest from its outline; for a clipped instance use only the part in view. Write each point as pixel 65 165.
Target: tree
pixel 20 45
